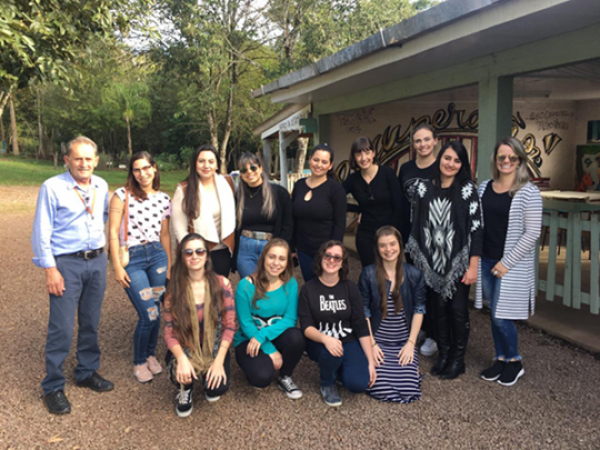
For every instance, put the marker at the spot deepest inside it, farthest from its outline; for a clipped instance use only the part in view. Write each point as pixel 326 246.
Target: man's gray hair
pixel 81 140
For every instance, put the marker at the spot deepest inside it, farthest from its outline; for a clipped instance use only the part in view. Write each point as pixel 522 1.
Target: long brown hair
pixel 132 184
pixel 381 275
pixel 181 295
pixel 360 144
pixel 191 201
pixel 261 279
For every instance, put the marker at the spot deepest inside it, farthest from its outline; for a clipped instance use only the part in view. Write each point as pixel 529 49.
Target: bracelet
pixel 412 342
pixel 374 344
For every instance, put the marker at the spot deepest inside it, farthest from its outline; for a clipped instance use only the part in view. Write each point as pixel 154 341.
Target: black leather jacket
pixel 412 291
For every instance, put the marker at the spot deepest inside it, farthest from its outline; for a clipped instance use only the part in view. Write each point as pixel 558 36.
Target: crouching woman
pixel 332 318
pixel 199 315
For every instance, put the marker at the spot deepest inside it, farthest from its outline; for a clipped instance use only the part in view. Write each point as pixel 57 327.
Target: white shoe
pixel 429 347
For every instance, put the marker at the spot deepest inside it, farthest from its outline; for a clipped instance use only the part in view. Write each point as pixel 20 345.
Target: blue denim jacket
pixel 412 291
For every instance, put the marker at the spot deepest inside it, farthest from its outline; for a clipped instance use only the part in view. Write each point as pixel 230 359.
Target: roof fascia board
pixel 569 48
pixel 504 11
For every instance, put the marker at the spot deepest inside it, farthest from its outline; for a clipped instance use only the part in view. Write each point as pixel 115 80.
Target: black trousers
pixel 217 392
pixel 221 261
pixel 451 318
pixel 365 245
pixel 259 370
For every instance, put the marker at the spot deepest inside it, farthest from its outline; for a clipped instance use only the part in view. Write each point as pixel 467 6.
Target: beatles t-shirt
pixel 335 311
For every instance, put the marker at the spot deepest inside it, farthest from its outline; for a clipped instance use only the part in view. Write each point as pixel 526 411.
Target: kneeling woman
pixel 332 318
pixel 393 294
pixel 199 314
pixel 267 307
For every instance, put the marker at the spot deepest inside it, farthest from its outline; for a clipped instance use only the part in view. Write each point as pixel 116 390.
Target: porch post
pixel 267 156
pixel 495 119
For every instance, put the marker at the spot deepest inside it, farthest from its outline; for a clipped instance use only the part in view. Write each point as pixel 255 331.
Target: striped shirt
pixel 517 287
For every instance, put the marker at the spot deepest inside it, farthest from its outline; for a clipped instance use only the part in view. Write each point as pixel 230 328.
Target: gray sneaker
pixel 331 395
pixel 291 389
pixel 429 347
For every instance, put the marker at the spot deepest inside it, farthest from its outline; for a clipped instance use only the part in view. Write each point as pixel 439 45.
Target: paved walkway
pixel 556 405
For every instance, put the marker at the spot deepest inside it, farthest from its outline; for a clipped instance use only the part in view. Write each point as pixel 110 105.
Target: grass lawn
pixel 29 172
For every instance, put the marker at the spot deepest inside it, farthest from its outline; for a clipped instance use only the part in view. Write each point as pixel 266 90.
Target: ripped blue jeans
pixel 147 270
pixel 504 331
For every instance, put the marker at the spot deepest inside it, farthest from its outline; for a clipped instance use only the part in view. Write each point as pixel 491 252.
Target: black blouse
pixel 378 201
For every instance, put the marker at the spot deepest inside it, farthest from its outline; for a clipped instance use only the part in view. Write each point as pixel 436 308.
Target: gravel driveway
pixel 556 405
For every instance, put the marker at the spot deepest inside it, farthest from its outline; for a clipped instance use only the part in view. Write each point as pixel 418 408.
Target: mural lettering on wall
pixel 551 120
pixel 393 144
pixel 352 121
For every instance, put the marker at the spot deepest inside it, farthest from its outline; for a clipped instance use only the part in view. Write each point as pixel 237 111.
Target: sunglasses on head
pixel 253 168
pixel 330 257
pixel 188 252
pixel 512 158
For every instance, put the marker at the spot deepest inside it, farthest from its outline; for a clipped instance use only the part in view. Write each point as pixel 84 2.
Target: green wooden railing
pixel 568 217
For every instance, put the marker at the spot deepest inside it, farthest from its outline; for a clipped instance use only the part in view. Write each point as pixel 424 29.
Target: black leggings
pixel 365 246
pixel 259 370
pixel 217 392
pixel 221 261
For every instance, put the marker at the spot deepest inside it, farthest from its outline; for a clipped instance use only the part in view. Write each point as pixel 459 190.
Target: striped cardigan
pixel 517 287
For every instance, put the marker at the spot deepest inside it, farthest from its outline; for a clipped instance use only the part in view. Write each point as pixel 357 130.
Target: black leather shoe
pixel 440 365
pixel 96 383
pixel 57 403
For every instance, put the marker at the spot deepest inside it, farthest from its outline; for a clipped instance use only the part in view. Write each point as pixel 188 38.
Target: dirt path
pixel 556 405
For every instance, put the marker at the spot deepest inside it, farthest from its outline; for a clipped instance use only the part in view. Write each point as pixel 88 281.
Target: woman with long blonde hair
pixel 199 314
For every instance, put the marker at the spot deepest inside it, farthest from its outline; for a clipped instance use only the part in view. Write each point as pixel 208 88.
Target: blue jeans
pixel 147 270
pixel 352 368
pixel 85 283
pixel 306 266
pixel 504 331
pixel 248 254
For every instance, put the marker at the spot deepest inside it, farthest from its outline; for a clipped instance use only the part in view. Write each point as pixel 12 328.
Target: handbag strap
pixel 126 219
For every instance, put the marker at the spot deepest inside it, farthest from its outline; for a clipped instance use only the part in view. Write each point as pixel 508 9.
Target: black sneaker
pixel 287 385
pixel 185 404
pixel 57 403
pixel 513 370
pixel 493 373
pixel 96 383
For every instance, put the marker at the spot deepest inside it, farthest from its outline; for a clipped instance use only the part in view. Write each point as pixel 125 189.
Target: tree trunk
pixel 301 157
pixel 213 127
pixel 41 153
pixel 4 96
pixel 13 127
pixel 2 135
pixel 129 146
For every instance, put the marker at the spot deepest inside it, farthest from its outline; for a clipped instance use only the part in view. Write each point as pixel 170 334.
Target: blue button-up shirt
pixel 62 223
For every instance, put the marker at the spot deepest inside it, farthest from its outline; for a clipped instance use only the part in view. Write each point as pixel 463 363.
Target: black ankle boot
pixel 440 365
pixel 455 368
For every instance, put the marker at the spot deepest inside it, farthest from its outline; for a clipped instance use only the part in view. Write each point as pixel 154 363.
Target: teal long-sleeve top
pixel 282 302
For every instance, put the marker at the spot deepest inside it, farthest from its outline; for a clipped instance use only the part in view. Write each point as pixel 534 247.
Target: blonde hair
pixel 522 176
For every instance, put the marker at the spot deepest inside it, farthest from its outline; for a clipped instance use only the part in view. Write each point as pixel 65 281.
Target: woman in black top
pixel 333 320
pixel 264 212
pixel 445 243
pixel 377 192
pixel 319 207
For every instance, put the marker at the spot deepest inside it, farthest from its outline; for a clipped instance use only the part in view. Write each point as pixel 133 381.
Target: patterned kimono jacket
pixel 447 229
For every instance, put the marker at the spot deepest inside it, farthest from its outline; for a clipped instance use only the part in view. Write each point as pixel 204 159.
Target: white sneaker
pixel 429 347
pixel 211 399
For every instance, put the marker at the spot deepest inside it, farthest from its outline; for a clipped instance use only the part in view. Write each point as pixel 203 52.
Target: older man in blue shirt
pixel 68 243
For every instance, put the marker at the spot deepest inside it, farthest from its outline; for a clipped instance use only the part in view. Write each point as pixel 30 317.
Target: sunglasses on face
pixel 188 252
pixel 330 257
pixel 144 169
pixel 512 158
pixel 253 168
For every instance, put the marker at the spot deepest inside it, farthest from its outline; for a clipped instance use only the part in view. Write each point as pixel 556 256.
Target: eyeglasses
pixel 512 158
pixel 330 257
pixel 144 169
pixel 253 168
pixel 188 252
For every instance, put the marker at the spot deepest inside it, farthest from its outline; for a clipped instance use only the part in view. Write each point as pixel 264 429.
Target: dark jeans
pixel 365 245
pixel 147 270
pixel 85 283
pixel 352 368
pixel 217 392
pixel 504 331
pixel 259 370
pixel 306 266
pixel 221 261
